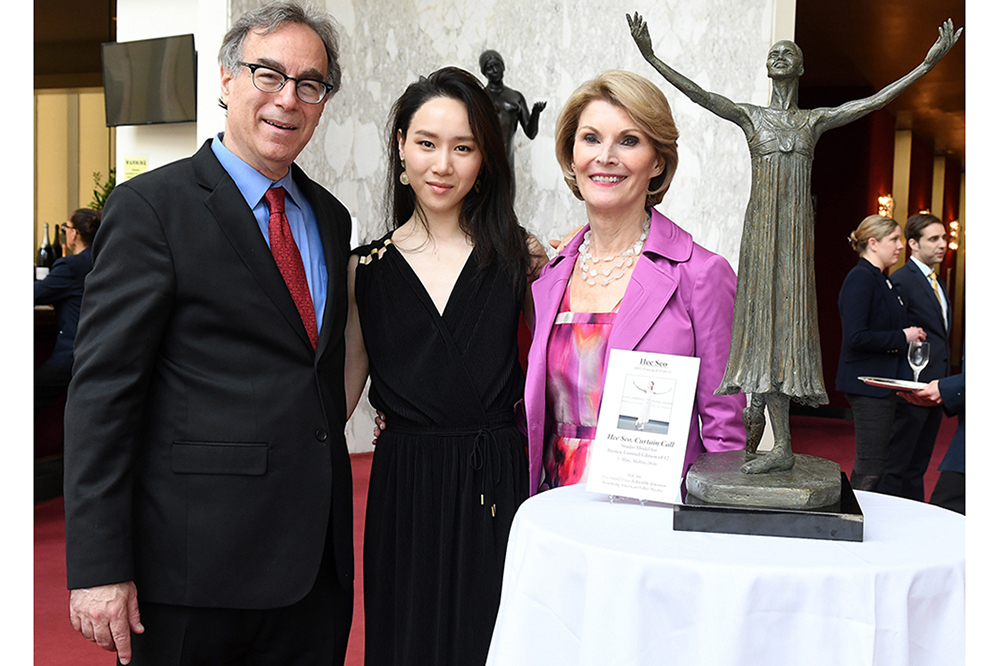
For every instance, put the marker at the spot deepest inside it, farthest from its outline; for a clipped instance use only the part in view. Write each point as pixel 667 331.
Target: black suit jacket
pixel 952 391
pixel 923 310
pixel 873 318
pixel 205 455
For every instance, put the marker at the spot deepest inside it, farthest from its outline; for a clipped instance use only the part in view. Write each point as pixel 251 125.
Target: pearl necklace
pixel 623 261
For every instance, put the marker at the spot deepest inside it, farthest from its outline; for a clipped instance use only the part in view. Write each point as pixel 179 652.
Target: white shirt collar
pixel 924 268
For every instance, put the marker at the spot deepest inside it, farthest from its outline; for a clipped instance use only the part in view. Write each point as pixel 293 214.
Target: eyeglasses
pixel 269 80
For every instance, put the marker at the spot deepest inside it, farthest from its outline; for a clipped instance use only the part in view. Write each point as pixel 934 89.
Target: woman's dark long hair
pixel 487 215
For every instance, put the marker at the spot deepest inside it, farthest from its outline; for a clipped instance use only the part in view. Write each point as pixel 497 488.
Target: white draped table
pixel 588 582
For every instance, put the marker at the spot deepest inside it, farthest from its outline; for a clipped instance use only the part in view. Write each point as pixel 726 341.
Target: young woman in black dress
pixel 433 319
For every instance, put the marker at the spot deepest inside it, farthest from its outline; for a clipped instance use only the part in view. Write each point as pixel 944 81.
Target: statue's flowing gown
pixel 775 344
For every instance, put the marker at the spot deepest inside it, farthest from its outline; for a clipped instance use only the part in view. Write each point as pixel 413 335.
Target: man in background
pixel 208 484
pixel 949 491
pixel 915 427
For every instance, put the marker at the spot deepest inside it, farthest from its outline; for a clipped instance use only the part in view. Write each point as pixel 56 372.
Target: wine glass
pixel 918 356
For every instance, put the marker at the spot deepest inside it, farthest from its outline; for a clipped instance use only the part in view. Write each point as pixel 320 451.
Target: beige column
pixel 71 142
pixel 783 20
pixel 937 188
pixel 52 162
pixel 96 146
pixel 901 182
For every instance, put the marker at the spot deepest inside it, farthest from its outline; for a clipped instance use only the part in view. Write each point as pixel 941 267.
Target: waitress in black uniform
pixel 875 340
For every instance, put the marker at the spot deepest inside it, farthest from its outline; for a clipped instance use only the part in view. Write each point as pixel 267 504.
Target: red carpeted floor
pixel 56 644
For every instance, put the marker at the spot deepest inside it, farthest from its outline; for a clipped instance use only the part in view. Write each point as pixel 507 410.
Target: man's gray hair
pixel 272 16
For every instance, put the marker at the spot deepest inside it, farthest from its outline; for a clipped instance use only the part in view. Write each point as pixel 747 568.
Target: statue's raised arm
pixel 529 120
pixel 851 111
pixel 717 104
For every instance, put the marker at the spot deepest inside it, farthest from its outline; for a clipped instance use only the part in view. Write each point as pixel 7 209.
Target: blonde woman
pixel 630 279
pixel 874 344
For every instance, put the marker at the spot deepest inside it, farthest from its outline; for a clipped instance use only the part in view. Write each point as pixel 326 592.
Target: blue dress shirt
pixel 301 218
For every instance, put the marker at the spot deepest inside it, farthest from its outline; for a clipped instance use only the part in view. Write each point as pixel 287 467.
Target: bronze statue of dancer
pixel 775 352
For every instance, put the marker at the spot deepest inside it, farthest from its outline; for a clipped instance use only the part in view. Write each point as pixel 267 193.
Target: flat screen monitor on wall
pixel 149 81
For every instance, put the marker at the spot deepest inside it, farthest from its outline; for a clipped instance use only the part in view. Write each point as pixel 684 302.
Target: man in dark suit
pixel 208 484
pixel 915 427
pixel 949 392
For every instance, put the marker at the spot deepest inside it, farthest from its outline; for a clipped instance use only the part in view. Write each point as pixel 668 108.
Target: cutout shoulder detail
pixel 376 253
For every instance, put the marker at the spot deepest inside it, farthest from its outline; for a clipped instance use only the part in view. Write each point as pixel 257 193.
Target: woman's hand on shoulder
pixel 564 241
pixel 538 257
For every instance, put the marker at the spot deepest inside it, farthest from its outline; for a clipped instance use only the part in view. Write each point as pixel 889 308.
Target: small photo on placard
pixel 646 404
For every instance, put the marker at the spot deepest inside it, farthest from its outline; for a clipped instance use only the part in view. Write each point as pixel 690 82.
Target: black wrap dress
pixel 450 468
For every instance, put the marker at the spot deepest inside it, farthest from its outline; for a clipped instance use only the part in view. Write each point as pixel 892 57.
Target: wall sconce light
pixel 954 233
pixel 885 205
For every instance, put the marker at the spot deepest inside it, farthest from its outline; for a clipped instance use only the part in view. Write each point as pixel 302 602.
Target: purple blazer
pixel 678 301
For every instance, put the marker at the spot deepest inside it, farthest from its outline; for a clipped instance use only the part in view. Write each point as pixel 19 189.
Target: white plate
pixel 896 384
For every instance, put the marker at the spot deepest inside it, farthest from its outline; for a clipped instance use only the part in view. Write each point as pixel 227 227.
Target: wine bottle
pixel 45 256
pixel 57 243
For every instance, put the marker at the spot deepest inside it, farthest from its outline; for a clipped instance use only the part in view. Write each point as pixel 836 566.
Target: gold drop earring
pixel 403 178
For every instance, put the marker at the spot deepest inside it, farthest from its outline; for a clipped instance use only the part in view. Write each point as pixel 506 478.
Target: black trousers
pixel 949 491
pixel 910 448
pixel 311 632
pixel 50 383
pixel 873 419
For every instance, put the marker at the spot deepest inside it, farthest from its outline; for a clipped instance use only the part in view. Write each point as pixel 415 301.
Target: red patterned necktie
pixel 289 260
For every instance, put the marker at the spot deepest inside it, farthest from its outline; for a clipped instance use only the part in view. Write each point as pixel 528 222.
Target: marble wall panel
pixel 550 47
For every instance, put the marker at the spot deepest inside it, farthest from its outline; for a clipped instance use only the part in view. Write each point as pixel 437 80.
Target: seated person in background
pixel 631 279
pixel 63 289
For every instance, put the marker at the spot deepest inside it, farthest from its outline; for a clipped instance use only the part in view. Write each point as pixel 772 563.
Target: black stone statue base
pixel 842 521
